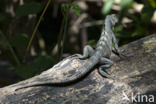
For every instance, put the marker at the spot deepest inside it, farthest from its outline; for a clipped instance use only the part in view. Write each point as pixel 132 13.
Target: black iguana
pixel 101 54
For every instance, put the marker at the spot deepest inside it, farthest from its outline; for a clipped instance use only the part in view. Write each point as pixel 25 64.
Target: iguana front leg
pixel 106 64
pixel 87 51
pixel 116 49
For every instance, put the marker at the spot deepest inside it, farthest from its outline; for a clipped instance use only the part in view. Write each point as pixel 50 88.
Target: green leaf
pixel 125 3
pixel 152 3
pixel 76 8
pixel 65 8
pixel 19 40
pixel 107 6
pixel 140 31
pixel 1 17
pixel 28 8
pixel 147 13
pixel 38 65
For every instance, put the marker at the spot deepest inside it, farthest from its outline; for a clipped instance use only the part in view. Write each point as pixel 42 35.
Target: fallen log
pixel 135 81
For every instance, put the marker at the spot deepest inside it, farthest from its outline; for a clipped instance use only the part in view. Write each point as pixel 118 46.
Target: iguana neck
pixel 108 25
pixel 104 45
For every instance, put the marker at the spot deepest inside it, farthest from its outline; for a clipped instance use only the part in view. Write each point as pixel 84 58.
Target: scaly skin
pixel 103 49
pixel 101 55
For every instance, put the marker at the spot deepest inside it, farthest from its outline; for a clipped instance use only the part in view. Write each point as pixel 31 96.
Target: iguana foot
pixel 106 63
pixel 105 74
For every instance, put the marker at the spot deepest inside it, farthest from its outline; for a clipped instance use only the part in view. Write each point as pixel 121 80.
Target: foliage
pixel 65 11
pixel 91 42
pixel 65 8
pixel 38 65
pixel 140 24
pixel 28 8
pixel 107 6
pixel 19 40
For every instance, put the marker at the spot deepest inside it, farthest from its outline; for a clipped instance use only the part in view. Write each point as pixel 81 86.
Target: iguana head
pixel 112 18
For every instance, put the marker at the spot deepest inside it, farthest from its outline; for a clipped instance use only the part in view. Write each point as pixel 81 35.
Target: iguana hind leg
pixel 106 63
pixel 87 51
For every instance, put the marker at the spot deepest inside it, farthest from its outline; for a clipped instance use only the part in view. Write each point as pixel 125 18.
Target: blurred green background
pixel 65 27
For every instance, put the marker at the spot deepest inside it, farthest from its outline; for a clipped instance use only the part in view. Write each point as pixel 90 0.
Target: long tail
pixel 37 80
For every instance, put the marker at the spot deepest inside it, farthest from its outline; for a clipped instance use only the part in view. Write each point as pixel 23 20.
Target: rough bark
pixel 135 75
